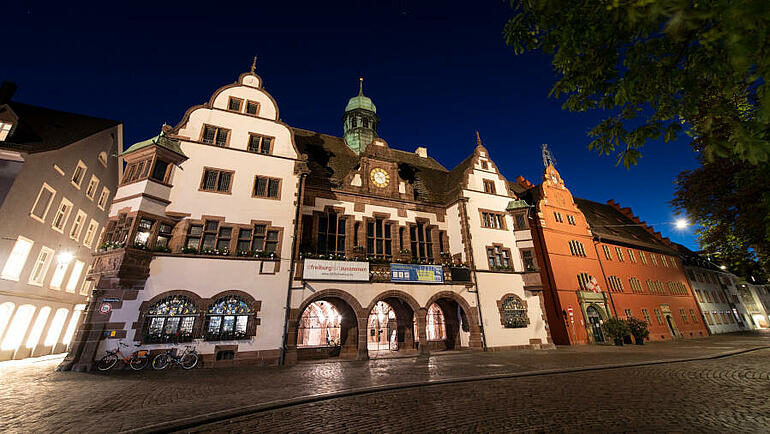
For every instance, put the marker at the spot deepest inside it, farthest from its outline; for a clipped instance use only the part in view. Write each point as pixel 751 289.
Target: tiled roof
pixel 41 129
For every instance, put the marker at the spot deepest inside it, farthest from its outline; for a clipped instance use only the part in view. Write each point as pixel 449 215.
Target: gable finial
pixel 548 159
pixel 478 138
pixel 254 64
pixel 360 85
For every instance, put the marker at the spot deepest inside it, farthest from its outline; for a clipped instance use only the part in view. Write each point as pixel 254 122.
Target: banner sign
pixel 319 269
pixel 416 273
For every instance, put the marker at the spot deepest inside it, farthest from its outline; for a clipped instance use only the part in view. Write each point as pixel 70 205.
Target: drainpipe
pixel 607 285
pixel 464 219
pixel 300 197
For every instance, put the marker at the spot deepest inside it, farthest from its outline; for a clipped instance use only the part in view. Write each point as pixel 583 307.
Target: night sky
pixel 437 72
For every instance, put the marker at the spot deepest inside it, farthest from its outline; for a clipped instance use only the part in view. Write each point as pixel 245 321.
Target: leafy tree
pixel 660 68
pixel 657 68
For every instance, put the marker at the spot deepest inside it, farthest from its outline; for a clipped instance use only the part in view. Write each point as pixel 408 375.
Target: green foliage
pixel 616 328
pixel 658 68
pixel 638 328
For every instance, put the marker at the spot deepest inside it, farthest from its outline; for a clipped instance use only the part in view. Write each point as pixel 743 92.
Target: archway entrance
pixel 595 324
pixel 327 328
pixel 391 329
pixel 447 326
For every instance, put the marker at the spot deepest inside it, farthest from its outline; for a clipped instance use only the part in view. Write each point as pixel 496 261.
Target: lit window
pixel 102 202
pixel 91 189
pixel 71 328
pixel 42 203
pixel 227 319
pixel 37 327
pixel 58 275
pixel 6 309
pixel 79 174
pixel 77 225
pixel 87 284
pixel 72 283
pixel 170 319
pixel 5 128
pixel 90 233
pixel 628 313
pixel 41 266
pixel 56 327
pixel 17 259
pixel 18 328
pixel 514 313
pixel 62 214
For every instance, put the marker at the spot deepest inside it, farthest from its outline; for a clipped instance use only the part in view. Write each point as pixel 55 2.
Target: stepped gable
pixel 42 129
pixel 604 220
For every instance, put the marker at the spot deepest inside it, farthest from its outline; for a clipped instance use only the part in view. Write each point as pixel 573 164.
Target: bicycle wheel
pixel 139 363
pixel 160 362
pixel 107 362
pixel 189 361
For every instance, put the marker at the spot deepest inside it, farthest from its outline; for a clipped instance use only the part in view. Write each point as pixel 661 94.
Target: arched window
pixel 228 318
pixel 170 319
pixel 435 324
pixel 513 312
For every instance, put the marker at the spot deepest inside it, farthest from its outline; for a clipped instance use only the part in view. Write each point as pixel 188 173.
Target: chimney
pixel 421 152
pixel 7 89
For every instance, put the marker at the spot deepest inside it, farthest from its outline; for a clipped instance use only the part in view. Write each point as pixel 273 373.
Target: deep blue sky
pixel 437 72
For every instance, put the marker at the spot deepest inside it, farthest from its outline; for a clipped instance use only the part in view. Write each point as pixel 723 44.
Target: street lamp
pixel 65 257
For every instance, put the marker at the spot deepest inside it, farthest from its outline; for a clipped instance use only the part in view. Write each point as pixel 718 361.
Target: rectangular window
pixel 244 240
pixel 585 281
pixel 493 220
pixel 215 135
pixel 252 107
pixel 90 233
pixel 421 242
pixel 164 235
pixel 210 230
pixel 159 171
pixel 665 262
pixel 576 248
pixel 143 231
pixel 260 144
pixel 87 286
pixel 42 264
pixel 266 187
pixel 17 259
pixel 72 283
pixel 223 238
pixel 653 259
pixel 557 216
pixel 631 256
pixel 62 214
pixel 92 185
pixel 571 219
pixel 194 235
pixel 234 104
pixel 79 174
pixel 607 253
pixel 646 315
pixel 102 202
pixel 378 239
pixel 615 283
pixel 684 316
pixel 264 239
pixel 42 203
pixel 58 275
pixel 489 186
pixel 331 234
pixel 628 313
pixel 521 222
pixel 5 128
pixel 643 257
pixel 216 180
pixel 529 260
pixel 619 254
pixel 77 225
pixel 658 316
pixel 499 257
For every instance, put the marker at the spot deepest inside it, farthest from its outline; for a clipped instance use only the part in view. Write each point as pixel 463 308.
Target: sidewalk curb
pixel 222 415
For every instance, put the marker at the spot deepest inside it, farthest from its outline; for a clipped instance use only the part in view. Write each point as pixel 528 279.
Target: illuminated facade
pixel 263 243
pixel 58 172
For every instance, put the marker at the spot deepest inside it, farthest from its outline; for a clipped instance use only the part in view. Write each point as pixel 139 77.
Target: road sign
pixel 105 308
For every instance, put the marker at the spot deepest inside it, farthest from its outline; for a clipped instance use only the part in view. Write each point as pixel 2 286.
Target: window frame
pixel 325 233
pixel 83 175
pixel 76 236
pixel 65 217
pixel 260 150
pixel 379 224
pixel 267 188
pixel 74 278
pixel 499 254
pixel 489 186
pixel 230 101
pixel 43 267
pixel 246 109
pixel 102 205
pixel 88 187
pixel 219 175
pixel 494 216
pixel 216 136
pixel 15 273
pixel 50 189
pixel 427 244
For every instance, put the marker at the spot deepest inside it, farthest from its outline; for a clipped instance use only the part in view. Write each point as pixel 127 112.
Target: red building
pixel 599 261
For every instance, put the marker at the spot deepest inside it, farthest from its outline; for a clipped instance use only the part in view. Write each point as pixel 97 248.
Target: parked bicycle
pixel 188 359
pixel 138 360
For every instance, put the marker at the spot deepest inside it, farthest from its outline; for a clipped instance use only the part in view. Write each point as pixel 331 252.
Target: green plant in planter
pixel 616 329
pixel 638 329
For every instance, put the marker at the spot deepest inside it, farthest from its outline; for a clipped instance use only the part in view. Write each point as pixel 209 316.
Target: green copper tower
pixel 360 121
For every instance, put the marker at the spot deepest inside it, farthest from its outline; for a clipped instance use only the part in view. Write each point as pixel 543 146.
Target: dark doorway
pixel 671 328
pixel 594 322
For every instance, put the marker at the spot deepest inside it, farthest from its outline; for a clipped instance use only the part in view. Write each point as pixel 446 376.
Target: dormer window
pixel 215 135
pixel 234 104
pixel 5 129
pixel 489 186
pixel 252 108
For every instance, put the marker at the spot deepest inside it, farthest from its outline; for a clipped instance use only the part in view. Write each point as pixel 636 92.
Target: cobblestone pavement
pixel 723 395
pixel 33 397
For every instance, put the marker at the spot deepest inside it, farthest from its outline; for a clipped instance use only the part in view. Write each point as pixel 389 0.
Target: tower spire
pixel 360 85
pixel 254 64
pixel 548 159
pixel 478 138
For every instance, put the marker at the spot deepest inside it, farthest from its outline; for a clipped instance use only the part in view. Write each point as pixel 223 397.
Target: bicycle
pixel 187 360
pixel 139 359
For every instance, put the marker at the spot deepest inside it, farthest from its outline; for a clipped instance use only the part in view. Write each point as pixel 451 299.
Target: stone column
pixel 422 322
pixel 363 351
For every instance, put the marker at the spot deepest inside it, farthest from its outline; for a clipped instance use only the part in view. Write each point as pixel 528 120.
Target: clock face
pixel 379 177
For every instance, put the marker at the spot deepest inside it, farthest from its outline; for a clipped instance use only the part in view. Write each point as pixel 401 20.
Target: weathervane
pixel 548 157
pixel 254 64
